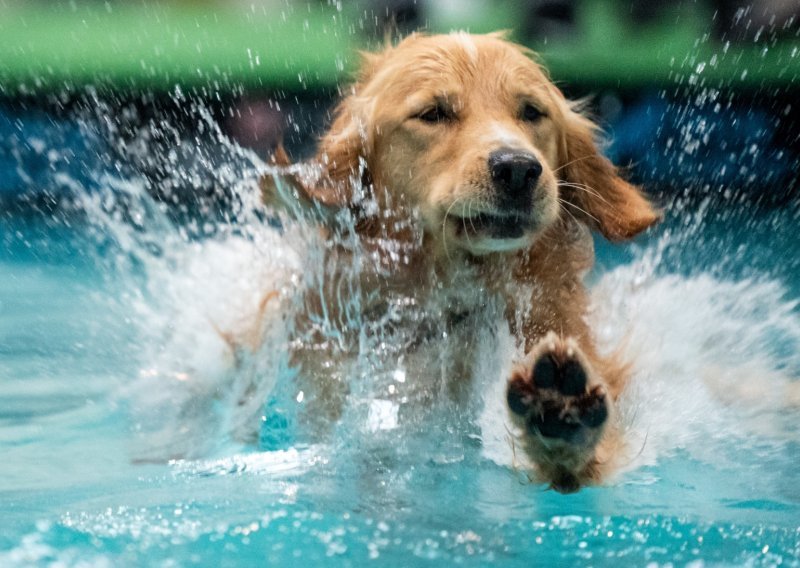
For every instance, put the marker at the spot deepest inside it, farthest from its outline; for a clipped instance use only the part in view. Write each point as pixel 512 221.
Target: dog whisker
pixel 567 211
pixel 564 202
pixel 471 221
pixel 583 187
pixel 562 166
pixel 444 228
pixel 469 213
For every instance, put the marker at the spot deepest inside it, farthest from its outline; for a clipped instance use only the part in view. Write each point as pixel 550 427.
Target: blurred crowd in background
pixel 734 19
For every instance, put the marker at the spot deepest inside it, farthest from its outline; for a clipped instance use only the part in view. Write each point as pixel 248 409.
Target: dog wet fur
pixel 460 151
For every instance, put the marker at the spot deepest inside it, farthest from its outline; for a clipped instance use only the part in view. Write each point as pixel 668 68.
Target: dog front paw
pixel 562 406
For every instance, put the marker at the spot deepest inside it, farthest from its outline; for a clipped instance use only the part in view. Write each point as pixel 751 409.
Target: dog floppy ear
pixel 286 187
pixel 337 176
pixel 342 156
pixel 592 183
pixel 334 179
pixel 345 149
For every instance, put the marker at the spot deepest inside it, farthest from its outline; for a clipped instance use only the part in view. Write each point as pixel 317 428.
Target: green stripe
pixel 159 47
pixel 45 47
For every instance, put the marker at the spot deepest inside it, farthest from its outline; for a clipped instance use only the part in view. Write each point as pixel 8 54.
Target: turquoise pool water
pixel 108 356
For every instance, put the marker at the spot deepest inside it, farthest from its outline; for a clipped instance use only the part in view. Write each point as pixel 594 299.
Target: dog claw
pixel 550 424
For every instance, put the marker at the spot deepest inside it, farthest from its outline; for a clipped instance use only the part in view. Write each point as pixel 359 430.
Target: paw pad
pixel 554 398
pixel 568 376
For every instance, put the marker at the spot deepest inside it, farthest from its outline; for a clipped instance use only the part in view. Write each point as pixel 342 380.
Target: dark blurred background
pixel 698 98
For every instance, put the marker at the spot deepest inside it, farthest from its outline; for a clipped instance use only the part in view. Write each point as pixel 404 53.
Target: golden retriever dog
pixel 471 178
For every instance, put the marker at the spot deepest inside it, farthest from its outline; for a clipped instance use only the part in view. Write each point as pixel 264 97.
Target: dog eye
pixel 531 113
pixel 434 115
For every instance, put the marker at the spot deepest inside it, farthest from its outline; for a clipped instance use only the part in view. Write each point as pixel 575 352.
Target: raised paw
pixel 555 395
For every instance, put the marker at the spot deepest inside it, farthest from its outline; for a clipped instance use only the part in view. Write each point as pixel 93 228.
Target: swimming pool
pixel 109 292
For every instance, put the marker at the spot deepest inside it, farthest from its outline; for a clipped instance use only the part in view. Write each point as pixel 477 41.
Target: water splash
pixel 214 302
pixel 716 352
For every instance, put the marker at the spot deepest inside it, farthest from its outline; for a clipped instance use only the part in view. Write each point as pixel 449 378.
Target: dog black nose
pixel 514 172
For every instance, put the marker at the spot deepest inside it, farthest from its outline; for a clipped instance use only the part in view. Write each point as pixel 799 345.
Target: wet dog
pixel 469 176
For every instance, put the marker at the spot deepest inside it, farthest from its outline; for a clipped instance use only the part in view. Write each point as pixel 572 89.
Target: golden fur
pixel 414 133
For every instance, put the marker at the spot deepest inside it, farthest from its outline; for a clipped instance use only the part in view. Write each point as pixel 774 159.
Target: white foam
pixel 275 464
pixel 195 385
pixel 707 367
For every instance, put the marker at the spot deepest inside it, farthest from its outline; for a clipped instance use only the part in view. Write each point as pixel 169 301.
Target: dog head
pixel 471 132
